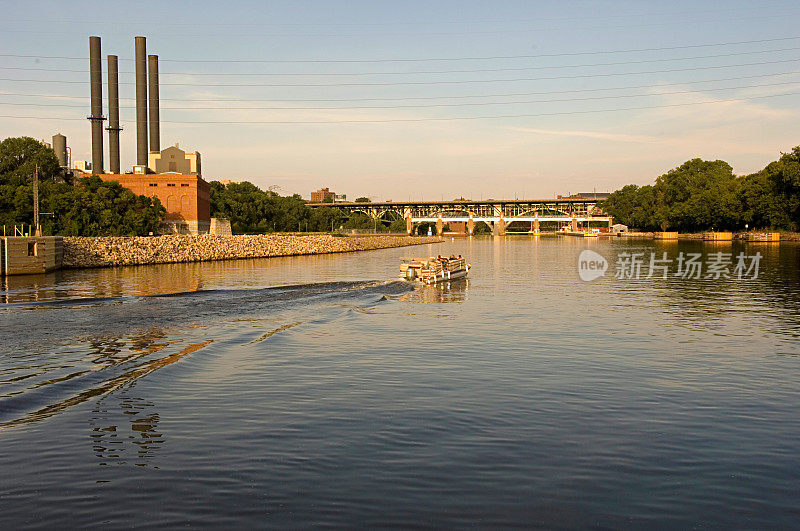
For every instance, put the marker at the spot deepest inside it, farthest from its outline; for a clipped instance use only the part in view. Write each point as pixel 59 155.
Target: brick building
pixel 186 198
pixel 323 194
pixel 320 195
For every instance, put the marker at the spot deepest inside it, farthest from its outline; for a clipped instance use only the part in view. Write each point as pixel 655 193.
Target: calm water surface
pixel 319 391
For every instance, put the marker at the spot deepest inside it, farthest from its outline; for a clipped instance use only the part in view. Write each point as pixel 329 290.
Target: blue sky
pixel 425 100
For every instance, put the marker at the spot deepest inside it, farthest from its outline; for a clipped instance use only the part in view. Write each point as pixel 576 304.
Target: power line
pixel 441 82
pixel 398 23
pixel 452 118
pixel 425 59
pixel 571 27
pixel 415 98
pixel 438 105
pixel 463 71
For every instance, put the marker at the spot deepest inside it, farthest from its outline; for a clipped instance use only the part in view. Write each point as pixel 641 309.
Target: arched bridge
pixel 498 214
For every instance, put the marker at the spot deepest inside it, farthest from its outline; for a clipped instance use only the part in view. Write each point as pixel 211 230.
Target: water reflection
pixel 450 291
pixel 124 429
pixel 105 282
pixel 48 385
pixel 708 303
pixel 28 288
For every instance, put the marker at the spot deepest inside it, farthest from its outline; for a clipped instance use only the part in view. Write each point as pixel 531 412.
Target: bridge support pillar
pixel 499 227
pixel 574 224
pixel 610 222
pixel 536 224
pixel 471 226
pixel 439 227
pixel 409 226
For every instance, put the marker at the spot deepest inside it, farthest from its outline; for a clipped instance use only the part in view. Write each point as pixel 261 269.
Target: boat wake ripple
pixel 81 349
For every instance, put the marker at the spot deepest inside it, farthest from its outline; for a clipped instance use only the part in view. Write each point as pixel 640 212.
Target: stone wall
pixel 110 251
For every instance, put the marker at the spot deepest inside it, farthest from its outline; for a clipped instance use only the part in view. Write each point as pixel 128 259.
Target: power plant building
pixel 172 175
pixel 186 198
pixel 175 160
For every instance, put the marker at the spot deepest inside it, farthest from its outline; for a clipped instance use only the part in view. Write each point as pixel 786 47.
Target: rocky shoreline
pixel 81 251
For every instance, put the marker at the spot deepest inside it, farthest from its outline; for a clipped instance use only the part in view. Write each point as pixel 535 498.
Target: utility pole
pixel 36 231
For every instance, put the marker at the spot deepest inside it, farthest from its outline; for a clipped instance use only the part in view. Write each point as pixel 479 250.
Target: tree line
pixel 702 195
pixel 252 210
pixel 90 207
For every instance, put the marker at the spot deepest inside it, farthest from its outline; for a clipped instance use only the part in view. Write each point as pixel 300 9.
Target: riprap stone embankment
pixel 80 251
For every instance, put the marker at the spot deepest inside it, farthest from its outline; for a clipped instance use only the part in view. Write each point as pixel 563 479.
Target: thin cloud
pixel 614 137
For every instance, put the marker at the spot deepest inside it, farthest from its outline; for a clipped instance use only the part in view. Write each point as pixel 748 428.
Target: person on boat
pixel 452 257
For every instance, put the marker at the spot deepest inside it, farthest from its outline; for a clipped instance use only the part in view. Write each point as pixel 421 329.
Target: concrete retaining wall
pixel 25 255
pixel 110 251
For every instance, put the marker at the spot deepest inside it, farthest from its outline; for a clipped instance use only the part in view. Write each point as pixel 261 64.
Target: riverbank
pixel 81 252
pixel 740 236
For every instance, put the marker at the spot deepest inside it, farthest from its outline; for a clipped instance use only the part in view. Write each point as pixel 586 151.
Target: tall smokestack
pixel 141 101
pixel 96 92
pixel 113 115
pixel 155 124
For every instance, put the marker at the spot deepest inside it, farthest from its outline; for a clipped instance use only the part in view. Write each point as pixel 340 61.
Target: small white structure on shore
pixel 619 227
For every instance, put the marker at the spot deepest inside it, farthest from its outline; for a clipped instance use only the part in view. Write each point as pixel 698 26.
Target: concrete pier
pixel 26 255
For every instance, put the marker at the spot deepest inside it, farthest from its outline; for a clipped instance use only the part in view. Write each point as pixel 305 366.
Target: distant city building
pixel 597 196
pixel 592 195
pixel 174 160
pixel 226 182
pixel 323 193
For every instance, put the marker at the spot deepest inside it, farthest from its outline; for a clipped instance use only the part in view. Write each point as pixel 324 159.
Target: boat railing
pixel 456 264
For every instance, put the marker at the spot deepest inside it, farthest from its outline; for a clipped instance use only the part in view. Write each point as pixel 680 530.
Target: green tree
pixel 90 208
pixel 325 219
pixel 622 203
pixel 252 210
pixel 361 221
pixel 783 185
pixel 98 208
pixel 759 203
pixel 19 157
pixel 397 226
pixel 697 195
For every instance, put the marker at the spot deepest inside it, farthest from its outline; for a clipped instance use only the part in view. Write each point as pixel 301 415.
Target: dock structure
pixel 27 255
pixel 498 214
pixel 665 235
pixel 718 236
pixel 768 237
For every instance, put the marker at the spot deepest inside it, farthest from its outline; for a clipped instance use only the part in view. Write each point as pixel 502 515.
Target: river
pixel 320 391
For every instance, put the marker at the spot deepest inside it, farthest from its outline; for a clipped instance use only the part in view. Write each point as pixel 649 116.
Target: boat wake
pixel 81 349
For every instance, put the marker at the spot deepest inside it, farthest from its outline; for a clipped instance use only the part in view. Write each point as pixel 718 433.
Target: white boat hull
pixel 445 275
pixel 432 270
